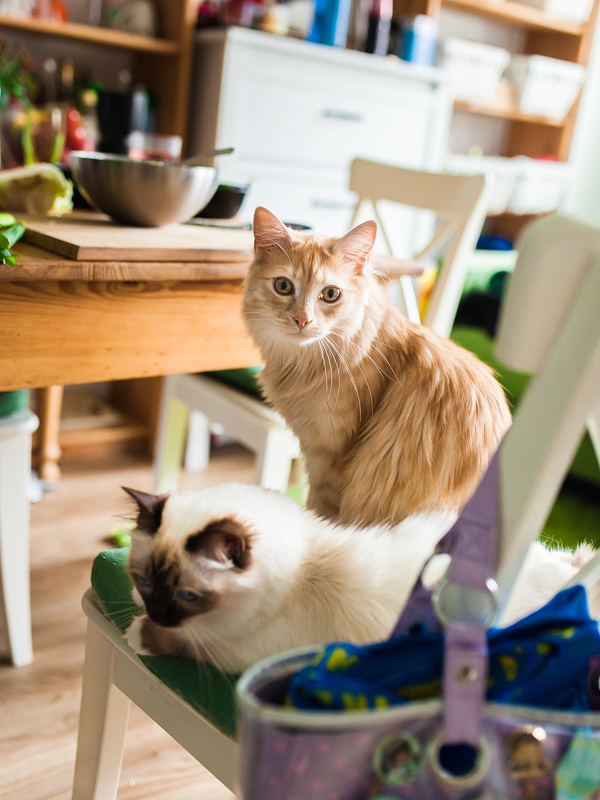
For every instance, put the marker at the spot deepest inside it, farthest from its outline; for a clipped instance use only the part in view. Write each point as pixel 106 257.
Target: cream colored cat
pixel 391 418
pixel 234 573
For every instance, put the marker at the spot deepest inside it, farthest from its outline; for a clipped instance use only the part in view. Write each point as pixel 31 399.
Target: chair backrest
pixel 555 256
pixel 459 201
pixel 549 325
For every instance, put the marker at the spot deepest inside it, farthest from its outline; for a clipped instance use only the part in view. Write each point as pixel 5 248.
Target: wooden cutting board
pixel 88 236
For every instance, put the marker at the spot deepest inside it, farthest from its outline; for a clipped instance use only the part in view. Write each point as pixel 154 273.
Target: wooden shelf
pixel 92 35
pixel 509 113
pixel 90 443
pixel 518 14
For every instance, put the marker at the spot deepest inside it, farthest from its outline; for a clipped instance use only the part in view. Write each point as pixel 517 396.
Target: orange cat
pixel 392 419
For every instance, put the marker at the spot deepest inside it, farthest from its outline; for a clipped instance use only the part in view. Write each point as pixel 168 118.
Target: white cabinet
pixel 298 113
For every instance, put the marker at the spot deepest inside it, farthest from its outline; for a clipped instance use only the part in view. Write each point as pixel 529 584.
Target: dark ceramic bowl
pixel 225 203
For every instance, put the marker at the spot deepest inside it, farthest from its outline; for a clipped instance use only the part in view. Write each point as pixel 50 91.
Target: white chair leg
pixel 411 306
pixel 197 450
pixel 274 460
pixel 15 603
pixel 102 723
pixel 172 425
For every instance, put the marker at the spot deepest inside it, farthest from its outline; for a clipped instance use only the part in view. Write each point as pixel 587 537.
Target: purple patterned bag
pixel 460 747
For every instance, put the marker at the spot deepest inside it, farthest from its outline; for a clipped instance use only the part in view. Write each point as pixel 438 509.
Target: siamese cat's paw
pixel 134 636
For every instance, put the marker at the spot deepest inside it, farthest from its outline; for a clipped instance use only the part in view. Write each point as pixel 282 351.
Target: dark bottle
pixel 378 30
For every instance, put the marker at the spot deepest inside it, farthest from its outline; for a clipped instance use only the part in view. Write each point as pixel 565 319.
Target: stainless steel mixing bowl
pixel 142 193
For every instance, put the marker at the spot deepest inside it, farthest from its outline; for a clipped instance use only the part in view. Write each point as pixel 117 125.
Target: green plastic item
pixel 205 688
pixel 244 379
pixel 12 402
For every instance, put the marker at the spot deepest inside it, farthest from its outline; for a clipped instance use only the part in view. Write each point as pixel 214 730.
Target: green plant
pixel 17 83
pixel 16 79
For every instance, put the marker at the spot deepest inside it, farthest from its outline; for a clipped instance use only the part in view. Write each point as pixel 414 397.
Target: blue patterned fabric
pixel 541 660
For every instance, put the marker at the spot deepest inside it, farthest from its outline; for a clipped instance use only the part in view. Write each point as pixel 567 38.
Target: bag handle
pixel 463 603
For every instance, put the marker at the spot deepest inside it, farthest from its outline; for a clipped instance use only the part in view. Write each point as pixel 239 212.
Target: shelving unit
pixel 163 64
pixel 517 14
pixel 543 34
pixel 91 34
pixel 505 111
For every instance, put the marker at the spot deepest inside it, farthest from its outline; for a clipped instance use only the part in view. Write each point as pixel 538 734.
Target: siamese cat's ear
pixel 226 540
pixel 270 234
pixel 150 509
pixel 356 246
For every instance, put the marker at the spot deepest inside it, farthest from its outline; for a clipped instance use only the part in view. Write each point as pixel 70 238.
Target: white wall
pixel 583 199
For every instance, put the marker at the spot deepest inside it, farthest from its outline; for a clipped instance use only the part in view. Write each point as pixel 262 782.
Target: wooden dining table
pixel 90 318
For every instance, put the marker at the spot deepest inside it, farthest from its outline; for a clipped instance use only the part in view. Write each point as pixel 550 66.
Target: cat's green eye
pixel 283 286
pixel 331 293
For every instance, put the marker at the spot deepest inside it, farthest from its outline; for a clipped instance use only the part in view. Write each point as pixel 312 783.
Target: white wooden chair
pixel 460 203
pixel 551 327
pixel 15 471
pixel 190 403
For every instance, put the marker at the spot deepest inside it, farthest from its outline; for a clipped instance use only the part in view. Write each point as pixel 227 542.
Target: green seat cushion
pixel 243 379
pixel 205 688
pixel 11 402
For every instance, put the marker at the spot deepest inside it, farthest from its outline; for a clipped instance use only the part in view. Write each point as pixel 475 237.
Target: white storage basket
pixel 540 186
pixel 546 87
pixel 574 10
pixel 503 171
pixel 474 68
pixel 521 185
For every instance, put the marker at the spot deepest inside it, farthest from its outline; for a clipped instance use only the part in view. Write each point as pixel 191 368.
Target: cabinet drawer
pixel 327 207
pixel 290 110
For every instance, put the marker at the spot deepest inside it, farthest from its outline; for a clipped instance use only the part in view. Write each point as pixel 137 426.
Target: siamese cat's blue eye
pixel 143 580
pixel 331 293
pixel 283 286
pixel 189 597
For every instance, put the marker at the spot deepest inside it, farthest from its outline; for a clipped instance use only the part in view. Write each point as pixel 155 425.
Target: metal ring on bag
pixel 469 780
pixel 466 605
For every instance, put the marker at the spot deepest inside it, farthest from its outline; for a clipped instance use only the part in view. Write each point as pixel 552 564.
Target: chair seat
pixel 205 688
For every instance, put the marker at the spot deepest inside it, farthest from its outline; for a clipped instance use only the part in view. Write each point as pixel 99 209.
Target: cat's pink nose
pixel 302 322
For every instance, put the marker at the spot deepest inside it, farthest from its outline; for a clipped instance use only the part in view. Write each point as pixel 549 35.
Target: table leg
pixel 48 451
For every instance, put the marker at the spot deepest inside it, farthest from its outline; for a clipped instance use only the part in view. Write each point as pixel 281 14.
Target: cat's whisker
pixel 354 344
pixel 201 648
pixel 326 354
pixel 320 346
pixel 330 349
pixel 396 378
pixel 377 366
pixel 350 375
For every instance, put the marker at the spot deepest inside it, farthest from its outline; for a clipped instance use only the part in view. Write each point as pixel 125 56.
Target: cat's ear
pixel 355 247
pixel 225 540
pixel 150 509
pixel 270 234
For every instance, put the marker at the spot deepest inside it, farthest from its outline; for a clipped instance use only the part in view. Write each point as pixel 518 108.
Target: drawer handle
pixel 343 116
pixel 331 204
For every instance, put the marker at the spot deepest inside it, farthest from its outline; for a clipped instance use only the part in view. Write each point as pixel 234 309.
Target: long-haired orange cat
pixel 392 419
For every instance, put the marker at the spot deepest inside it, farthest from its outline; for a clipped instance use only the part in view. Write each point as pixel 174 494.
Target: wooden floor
pixel 39 704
